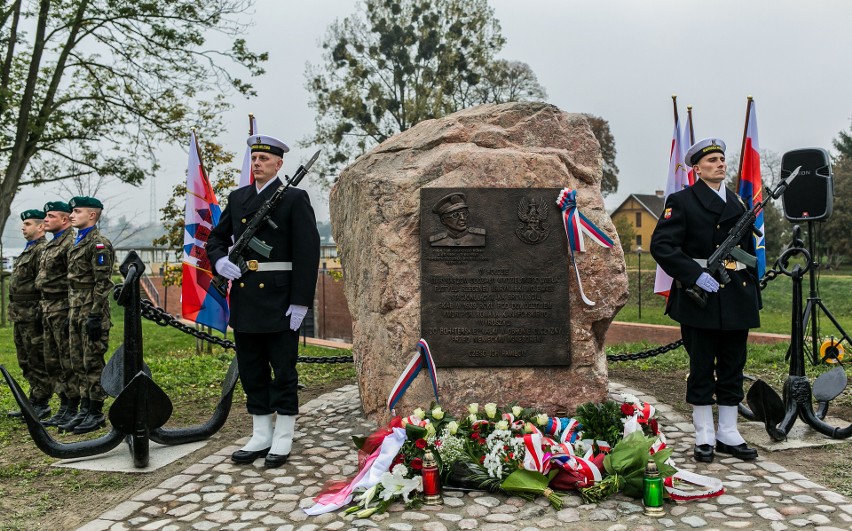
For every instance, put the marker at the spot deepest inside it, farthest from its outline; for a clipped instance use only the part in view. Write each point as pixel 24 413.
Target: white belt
pixel 254 265
pixel 733 265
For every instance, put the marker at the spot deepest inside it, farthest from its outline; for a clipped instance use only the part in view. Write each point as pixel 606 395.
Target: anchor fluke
pixel 140 403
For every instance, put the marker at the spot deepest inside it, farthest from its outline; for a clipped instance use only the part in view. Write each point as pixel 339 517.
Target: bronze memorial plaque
pixel 494 277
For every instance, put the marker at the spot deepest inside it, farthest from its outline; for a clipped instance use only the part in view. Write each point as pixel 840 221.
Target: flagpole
pixel 674 104
pixel 691 131
pixel 251 124
pixel 742 149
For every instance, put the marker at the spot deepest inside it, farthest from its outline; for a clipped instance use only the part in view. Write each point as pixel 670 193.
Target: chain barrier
pixel 768 277
pixel 163 318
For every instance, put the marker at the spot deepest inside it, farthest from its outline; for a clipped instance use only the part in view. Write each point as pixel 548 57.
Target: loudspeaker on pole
pixel 810 196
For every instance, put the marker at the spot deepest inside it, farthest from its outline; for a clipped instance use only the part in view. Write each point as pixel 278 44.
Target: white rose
pixel 502 425
pixel 472 418
pixel 541 419
pixel 419 413
pixel 517 410
pixel 473 408
pixel 453 426
pixel 438 413
pixel 491 409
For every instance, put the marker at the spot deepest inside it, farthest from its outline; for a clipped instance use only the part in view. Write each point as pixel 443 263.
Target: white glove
pixel 707 283
pixel 228 269
pixel 297 315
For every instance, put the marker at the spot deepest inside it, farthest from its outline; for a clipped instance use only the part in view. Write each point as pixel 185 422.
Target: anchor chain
pixel 160 316
pixel 769 276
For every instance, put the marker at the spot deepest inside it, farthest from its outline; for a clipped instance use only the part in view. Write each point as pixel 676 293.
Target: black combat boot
pixel 19 414
pixel 70 412
pixel 63 408
pixel 42 408
pixel 81 415
pixel 94 420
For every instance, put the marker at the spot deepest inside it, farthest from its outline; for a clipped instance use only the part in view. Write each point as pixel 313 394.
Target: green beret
pixel 32 214
pixel 57 206
pixel 87 202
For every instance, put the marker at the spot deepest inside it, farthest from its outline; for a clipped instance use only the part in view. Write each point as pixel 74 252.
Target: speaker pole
pixel 742 149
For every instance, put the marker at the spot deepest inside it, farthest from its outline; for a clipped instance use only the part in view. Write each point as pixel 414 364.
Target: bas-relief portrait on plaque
pixel 494 277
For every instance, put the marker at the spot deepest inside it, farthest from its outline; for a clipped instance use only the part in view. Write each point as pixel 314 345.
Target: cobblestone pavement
pixel 215 494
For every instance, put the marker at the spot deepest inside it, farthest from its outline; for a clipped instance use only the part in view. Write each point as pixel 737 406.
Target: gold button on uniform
pixel 242 284
pixel 745 284
pixel 721 286
pixel 243 220
pixel 717 226
pixel 261 285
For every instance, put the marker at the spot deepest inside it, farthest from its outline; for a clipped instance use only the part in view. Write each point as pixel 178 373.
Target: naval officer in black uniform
pixel 269 301
pixel 694 222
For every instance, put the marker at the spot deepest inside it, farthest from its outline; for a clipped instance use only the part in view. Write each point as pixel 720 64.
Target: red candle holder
pixel 431 480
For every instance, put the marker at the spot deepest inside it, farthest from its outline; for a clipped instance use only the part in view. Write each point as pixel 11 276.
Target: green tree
pixel 398 62
pixel 626 233
pixel 223 175
pixel 600 127
pixel 88 88
pixel 834 236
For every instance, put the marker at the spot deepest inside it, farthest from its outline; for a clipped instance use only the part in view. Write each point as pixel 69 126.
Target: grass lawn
pixel 777 300
pixel 32 492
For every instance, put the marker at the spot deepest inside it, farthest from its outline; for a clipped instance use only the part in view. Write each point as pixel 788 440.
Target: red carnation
pixel 420 443
pixel 655 429
pixel 417 463
pixel 627 409
pixel 481 459
pixel 398 459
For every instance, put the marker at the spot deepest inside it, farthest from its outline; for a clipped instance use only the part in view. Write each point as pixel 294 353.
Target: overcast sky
pixel 621 60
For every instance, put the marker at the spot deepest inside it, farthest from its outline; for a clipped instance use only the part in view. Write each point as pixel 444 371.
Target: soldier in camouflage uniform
pixel 90 262
pixel 52 282
pixel 25 313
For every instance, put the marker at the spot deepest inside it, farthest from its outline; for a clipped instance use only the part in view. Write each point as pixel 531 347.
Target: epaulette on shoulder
pixel 436 237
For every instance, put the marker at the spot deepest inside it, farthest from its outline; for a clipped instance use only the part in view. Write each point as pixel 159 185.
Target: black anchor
pixel 764 404
pixel 141 407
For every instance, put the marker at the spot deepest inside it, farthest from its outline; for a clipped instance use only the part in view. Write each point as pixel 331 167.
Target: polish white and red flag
pixel 680 176
pixel 246 175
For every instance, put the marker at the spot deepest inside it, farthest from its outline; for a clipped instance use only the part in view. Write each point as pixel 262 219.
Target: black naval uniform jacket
pixel 259 299
pixel 694 222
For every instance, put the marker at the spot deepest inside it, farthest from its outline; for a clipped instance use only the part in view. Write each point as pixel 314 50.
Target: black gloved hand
pixel 94 327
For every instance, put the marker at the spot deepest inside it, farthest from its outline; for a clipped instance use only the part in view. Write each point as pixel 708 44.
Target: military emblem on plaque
pixel 533 213
pixel 454 215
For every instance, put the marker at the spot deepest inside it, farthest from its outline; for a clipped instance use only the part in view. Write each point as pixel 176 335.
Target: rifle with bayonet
pixel 248 240
pixel 728 252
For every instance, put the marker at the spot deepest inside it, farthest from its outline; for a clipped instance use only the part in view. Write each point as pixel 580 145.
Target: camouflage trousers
pixel 87 356
pixel 57 354
pixel 28 344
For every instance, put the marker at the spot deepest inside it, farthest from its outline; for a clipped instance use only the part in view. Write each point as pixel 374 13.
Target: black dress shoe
pixel 275 460
pixel 740 451
pixel 703 453
pixel 245 457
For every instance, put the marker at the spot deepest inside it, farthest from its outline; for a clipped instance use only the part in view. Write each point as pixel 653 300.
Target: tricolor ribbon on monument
pixel 422 358
pixel 200 302
pixel 576 225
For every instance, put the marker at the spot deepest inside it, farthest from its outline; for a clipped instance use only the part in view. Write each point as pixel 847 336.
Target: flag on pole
pixel 751 186
pixel 200 302
pixel 246 176
pixel 680 176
